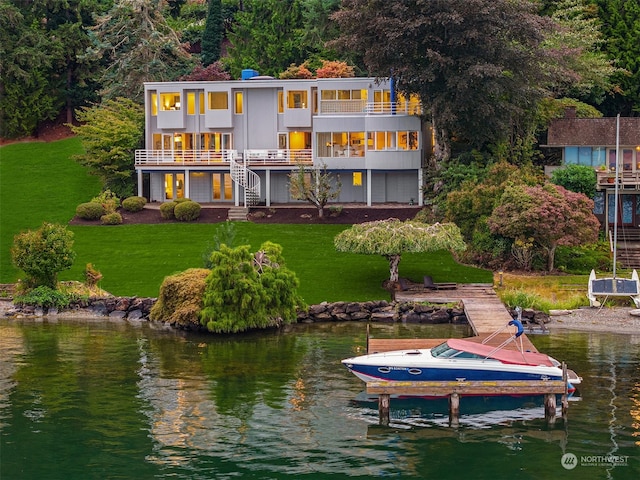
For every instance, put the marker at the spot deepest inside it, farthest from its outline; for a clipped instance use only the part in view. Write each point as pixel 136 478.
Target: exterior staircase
pixel 628 250
pixel 247 179
pixel 238 214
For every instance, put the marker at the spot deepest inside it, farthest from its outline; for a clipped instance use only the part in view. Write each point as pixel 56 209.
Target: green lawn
pixel 134 259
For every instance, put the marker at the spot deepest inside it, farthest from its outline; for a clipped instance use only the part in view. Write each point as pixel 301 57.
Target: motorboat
pixel 460 360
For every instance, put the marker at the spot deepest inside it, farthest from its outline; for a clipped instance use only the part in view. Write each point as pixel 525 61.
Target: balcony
pixel 182 157
pixel 626 179
pixel 168 158
pixel 350 107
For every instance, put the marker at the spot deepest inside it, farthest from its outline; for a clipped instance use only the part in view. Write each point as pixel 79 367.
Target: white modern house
pixel 236 142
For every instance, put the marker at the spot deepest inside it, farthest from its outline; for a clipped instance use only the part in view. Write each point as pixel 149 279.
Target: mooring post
pixel 550 407
pixel 454 410
pixel 384 401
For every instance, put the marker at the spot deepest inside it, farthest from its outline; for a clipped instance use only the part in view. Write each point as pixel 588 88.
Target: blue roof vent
pixel 248 73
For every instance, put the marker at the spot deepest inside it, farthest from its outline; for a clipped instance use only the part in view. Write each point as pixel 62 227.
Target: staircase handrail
pixel 247 179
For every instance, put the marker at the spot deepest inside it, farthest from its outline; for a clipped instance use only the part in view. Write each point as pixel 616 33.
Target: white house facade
pixel 236 142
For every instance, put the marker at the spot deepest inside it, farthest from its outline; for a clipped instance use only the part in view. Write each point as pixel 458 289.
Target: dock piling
pixel 384 403
pixel 454 410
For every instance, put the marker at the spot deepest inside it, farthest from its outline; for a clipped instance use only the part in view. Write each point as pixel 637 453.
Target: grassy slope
pixel 135 258
pixel 38 182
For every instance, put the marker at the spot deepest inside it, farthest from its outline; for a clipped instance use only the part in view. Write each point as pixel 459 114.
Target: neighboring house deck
pixel 237 142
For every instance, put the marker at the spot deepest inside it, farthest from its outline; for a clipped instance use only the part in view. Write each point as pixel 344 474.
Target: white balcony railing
pixel 205 157
pixel 160 157
pixel 347 107
pixel 277 156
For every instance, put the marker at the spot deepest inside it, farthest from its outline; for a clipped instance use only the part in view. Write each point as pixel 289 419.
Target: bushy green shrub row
pixel 134 204
pixel 90 211
pixel 103 208
pixel 182 209
pixel 113 218
pixel 45 297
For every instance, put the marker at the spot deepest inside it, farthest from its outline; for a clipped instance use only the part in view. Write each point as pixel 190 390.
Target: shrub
pixel 247 291
pixel 182 200
pixel 167 210
pixel 42 253
pixel 45 297
pixel 582 259
pixel 113 218
pixel 90 211
pixel 109 201
pixel 134 204
pixel 187 211
pixel 180 298
pixel 92 275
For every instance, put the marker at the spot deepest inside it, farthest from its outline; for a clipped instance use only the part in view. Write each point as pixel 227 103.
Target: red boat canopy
pixel 503 355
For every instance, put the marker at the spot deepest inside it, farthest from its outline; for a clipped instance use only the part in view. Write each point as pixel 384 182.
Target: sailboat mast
pixel 615 196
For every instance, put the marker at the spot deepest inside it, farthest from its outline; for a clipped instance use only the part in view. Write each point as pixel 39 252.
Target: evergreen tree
pixel 140 47
pixel 268 36
pixel 621 28
pixel 213 33
pixel 26 61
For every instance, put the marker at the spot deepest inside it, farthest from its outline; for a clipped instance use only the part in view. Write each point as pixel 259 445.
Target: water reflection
pixel 98 400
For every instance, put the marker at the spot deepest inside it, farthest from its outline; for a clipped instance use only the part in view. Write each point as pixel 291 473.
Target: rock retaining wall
pixel 134 308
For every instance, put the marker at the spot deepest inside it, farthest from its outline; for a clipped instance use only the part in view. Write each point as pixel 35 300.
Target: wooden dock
pixel 486 315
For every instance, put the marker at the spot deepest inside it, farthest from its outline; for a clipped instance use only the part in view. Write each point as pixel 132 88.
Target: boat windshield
pixel 445 351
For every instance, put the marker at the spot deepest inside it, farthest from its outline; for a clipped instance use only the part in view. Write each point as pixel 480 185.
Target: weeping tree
pixel 247 291
pixel 392 237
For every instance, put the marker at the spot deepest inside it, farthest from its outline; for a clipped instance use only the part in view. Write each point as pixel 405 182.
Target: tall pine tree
pixel 213 32
pixel 621 27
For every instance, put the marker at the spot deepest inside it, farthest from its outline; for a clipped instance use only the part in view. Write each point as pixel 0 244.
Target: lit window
pixel 280 101
pixel 201 102
pixel 154 104
pixel 238 109
pixel 218 101
pixel 191 103
pixel 357 179
pixel 169 101
pixel 297 99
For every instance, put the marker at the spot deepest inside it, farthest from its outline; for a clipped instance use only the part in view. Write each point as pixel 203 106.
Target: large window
pixel 626 159
pixel 344 94
pixel 341 144
pixel 218 101
pixel 392 140
pixel 297 99
pixel 592 157
pixel 169 101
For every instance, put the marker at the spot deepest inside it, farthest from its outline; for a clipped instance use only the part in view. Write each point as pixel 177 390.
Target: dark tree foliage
pixel 577 178
pixel 140 47
pixel 621 28
pixel 474 63
pixel 40 72
pixel 214 72
pixel 213 33
pixel 267 36
pixel 175 6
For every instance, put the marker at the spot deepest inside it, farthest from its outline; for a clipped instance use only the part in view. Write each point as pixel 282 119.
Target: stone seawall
pixel 137 309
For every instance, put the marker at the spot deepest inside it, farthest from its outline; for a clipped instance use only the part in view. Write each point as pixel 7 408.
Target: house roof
pixel 593 132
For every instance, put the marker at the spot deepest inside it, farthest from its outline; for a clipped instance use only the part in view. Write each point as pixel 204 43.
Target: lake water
pixel 92 399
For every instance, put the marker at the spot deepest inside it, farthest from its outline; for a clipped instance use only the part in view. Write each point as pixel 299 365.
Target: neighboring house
pixel 592 142
pixel 236 142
